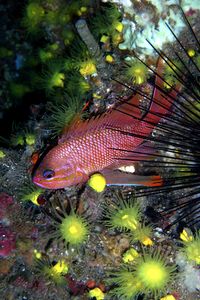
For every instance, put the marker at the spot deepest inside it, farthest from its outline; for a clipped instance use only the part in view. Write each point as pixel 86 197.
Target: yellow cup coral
pixel 57 80
pixel 137 72
pixel 68 227
pixel 30 138
pixel 171 73
pixel 59 268
pixel 97 293
pixel 33 16
pixel 168 297
pixel 35 12
pixel 87 68
pixel 127 285
pixel 143 234
pixel 31 193
pixel 130 255
pixel 73 229
pixel 148 274
pixel 52 271
pixel 97 182
pixel 2 154
pixel 52 78
pixel 192 249
pixel 125 216
pixel 154 273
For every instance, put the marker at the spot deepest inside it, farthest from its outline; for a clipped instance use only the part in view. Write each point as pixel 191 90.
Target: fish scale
pixel 95 145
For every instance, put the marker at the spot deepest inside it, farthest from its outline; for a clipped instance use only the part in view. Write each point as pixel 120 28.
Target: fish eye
pixel 48 174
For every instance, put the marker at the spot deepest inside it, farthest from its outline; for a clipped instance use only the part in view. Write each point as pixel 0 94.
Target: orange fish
pixel 91 146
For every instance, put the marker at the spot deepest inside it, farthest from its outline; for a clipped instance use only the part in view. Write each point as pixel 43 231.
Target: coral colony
pixel 116 218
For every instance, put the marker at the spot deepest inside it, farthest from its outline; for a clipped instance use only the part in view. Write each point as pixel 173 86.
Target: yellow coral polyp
pixel 137 72
pixel 104 39
pixel 53 77
pixel 97 182
pixel 185 236
pixel 34 14
pixel 33 196
pixel 171 67
pixel 54 47
pixel 45 55
pixel 37 254
pixel 96 96
pixel 74 229
pixel 125 216
pixel 191 52
pixel 171 71
pixel 30 139
pixel 130 255
pixel 2 154
pixel 83 9
pixel 169 81
pixel 87 68
pixel 147 241
pixel 97 293
pixel 168 297
pixel 143 234
pixel 17 140
pixel 109 59
pixel 54 272
pixel 64 18
pixel 117 38
pixel 84 85
pixel 197 60
pixel 118 26
pixel 128 284
pixel 52 17
pixel 57 80
pixel 154 273
pixel 192 250
pixel 148 274
pixel 130 222
pixel 59 268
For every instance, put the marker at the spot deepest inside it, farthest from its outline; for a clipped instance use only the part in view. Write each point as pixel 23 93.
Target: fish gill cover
pixel 117 84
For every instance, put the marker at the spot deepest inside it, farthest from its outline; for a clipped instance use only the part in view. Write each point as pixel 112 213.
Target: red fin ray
pixel 126 113
pixel 144 151
pixel 116 118
pixel 130 108
pixel 162 101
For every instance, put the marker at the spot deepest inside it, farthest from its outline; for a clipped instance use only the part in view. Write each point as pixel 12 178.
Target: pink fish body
pixel 95 145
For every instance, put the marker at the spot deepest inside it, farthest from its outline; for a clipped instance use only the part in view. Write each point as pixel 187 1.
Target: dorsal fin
pixel 74 123
pixel 162 100
pixel 117 117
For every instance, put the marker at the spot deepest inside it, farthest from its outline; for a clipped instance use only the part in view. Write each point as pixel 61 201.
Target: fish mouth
pixel 37 181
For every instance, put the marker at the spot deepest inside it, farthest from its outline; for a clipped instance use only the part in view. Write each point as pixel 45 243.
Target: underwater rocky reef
pixel 99 150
